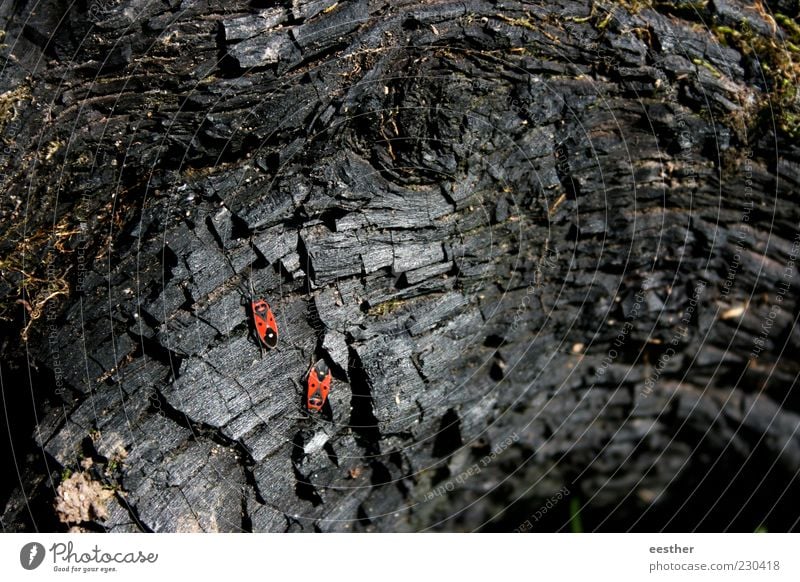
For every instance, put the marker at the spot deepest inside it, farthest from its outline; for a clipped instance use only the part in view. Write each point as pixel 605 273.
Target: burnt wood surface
pixel 547 250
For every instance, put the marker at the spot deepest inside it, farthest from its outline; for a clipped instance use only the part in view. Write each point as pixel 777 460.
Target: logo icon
pixel 31 555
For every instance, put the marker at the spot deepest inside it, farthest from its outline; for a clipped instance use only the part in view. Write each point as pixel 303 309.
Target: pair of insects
pixel 319 376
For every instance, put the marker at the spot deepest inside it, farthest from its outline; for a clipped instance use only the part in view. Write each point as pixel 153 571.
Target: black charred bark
pixel 547 250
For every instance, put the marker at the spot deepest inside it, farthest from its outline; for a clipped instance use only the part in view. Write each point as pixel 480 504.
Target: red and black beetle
pixel 319 384
pixel 264 321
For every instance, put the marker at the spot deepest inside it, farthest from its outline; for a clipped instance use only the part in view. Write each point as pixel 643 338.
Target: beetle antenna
pixel 250 282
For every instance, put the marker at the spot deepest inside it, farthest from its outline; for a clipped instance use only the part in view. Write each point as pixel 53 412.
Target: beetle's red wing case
pixel 325 387
pixel 264 320
pixel 271 333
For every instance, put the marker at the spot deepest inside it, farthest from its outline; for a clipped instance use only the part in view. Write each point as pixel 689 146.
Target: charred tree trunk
pixel 547 250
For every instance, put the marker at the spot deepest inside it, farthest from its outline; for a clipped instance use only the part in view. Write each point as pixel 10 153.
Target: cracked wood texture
pixel 539 245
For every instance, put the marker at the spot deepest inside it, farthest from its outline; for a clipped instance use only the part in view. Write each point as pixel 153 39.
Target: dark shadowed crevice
pixel 331 452
pixel 448 439
pixel 18 428
pixel 380 474
pixel 362 415
pixel 494 341
pixel 247 521
pixel 362 517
